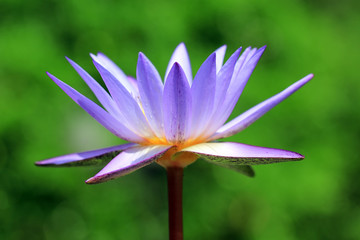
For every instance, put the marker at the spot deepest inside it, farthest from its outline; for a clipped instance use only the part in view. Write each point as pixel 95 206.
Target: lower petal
pixel 234 154
pixel 128 161
pixel 85 158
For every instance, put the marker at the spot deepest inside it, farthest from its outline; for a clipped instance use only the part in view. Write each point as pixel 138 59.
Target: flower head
pixel 176 121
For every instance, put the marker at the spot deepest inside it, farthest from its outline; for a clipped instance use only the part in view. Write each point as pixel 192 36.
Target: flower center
pixel 178 145
pixel 173 158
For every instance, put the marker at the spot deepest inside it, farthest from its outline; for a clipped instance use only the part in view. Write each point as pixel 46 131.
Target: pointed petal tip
pixel 101 178
pixel 238 50
pixel 176 65
pixel 55 79
pixel 262 49
pixel 212 56
pixel 96 61
pixel 142 58
pixel 293 155
pixel 45 163
pixel 93 56
pixel 98 64
pixel 259 51
pixel 300 156
pixel 236 54
pixel 180 55
pixel 92 180
pixel 310 76
pixel 97 179
pixel 305 79
pixel 181 44
pixel 178 69
pixel 221 49
pixel 72 63
pixel 40 164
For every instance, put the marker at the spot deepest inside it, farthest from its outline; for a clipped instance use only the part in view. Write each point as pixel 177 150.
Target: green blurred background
pixel 317 198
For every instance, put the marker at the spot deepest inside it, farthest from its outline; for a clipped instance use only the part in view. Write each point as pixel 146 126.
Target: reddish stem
pixel 175 180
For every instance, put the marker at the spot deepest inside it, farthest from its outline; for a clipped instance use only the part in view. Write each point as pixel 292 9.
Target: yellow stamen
pixel 173 158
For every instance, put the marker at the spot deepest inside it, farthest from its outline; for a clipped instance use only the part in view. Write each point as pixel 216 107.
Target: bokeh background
pixel 317 198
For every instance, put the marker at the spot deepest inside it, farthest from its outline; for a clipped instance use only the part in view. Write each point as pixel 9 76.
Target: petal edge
pixel 234 154
pixel 128 161
pixel 87 158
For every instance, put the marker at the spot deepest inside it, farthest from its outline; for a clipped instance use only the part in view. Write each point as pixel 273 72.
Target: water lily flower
pixel 175 122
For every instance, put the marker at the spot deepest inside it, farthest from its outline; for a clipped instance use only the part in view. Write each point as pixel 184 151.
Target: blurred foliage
pixel 314 199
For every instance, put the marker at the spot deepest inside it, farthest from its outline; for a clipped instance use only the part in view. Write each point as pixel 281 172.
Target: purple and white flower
pixel 176 121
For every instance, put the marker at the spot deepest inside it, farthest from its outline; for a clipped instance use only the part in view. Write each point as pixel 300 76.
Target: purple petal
pixel 177 105
pixel 241 75
pixel 115 71
pixel 243 60
pixel 251 115
pixel 243 69
pixel 220 54
pixel 132 115
pixel 128 161
pixel 100 115
pixel 244 57
pixel 203 91
pixel 103 97
pixel 223 78
pixel 232 154
pixel 151 91
pixel 86 158
pixel 180 56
